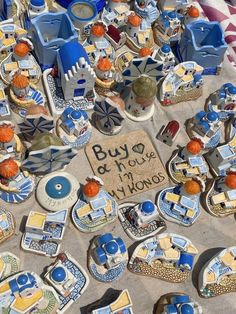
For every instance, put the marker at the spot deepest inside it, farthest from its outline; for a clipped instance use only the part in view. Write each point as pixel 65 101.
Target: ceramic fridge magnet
pixel 183 83
pixel 167 28
pixel 188 162
pixel 107 258
pixel 223 101
pixel 9 265
pixel 74 128
pixel 109 115
pixel 57 191
pixel 217 276
pixel 47 154
pixel 95 208
pixel 10 143
pixel 220 198
pixel 223 158
pixel 207 47
pixel 44 232
pixel 206 127
pixel 122 304
pixel 181 203
pixel 136 36
pixel 36 121
pixel 22 60
pixel 167 257
pixel 177 303
pixel 16 185
pixel 23 93
pixel 169 132
pixel 24 292
pixel 140 220
pixel 7 225
pixel 71 82
pixel 68 279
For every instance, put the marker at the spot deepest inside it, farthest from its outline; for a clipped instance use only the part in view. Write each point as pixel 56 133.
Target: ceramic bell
pixel 95 208
pixel 107 258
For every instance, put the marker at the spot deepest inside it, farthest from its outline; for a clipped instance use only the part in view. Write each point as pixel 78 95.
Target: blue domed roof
pixel 76 115
pixel 112 247
pixel 187 309
pixel 37 3
pixel 212 116
pixel 200 115
pixel 147 207
pixel 205 125
pixel 165 49
pixel 22 280
pixel 58 274
pixel 232 90
pixel 172 14
pixel 58 187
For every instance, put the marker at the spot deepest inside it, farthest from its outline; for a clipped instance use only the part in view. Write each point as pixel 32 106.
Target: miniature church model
pixel 76 75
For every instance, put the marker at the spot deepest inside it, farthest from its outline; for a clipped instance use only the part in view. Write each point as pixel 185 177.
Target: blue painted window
pixel 79 92
pixel 82 81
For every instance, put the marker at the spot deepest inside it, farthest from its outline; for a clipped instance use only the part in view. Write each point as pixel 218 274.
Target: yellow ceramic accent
pixel 211 277
pixel 23 304
pixel 4 288
pixel 172 197
pixel 191 249
pixel 165 243
pixel 218 198
pixel 83 211
pixel 180 71
pixel 172 254
pixel 190 213
pixel 123 301
pixel 142 252
pixel 8 41
pixel 36 220
pixel 1 265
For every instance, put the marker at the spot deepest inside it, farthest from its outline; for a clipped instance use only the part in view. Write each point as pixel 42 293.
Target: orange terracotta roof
pixel 134 20
pixel 8 168
pixel 98 30
pixel 194 147
pixel 192 187
pixel 104 64
pixel 144 52
pixel 20 81
pixel 230 181
pixel 21 49
pixel 6 133
pixel 193 12
pixel 91 189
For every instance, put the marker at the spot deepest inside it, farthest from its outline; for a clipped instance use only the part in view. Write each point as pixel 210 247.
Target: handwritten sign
pixel 128 164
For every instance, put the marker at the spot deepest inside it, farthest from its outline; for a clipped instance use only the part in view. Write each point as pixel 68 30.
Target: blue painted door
pixel 79 92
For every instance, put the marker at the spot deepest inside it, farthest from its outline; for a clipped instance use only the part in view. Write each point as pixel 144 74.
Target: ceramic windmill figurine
pixel 109 115
pixel 188 162
pixel 10 143
pixel 220 198
pixel 181 204
pixel 139 105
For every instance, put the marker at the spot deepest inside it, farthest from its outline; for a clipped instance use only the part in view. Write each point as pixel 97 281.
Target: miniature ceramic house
pixel 108 258
pixel 10 143
pixel 147 9
pixel 223 101
pixel 165 56
pixel 220 199
pixel 123 303
pixel 68 279
pixel 103 70
pixel 168 27
pixel 169 132
pixel 218 275
pixel 57 191
pixel 181 204
pixel 25 291
pixel 188 162
pixel 10 264
pixel 183 83
pixel 223 158
pixel 207 47
pixel 115 37
pixel 206 127
pixel 140 220
pixel 49 32
pixel 109 115
pixel 44 232
pixel 37 7
pixel 95 207
pixel 167 257
pixel 139 105
pixel 177 303
pixel 7 226
pixel 74 127
pixel 15 185
pixel 115 13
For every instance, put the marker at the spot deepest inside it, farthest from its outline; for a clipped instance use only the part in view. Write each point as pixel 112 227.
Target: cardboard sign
pixel 128 164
